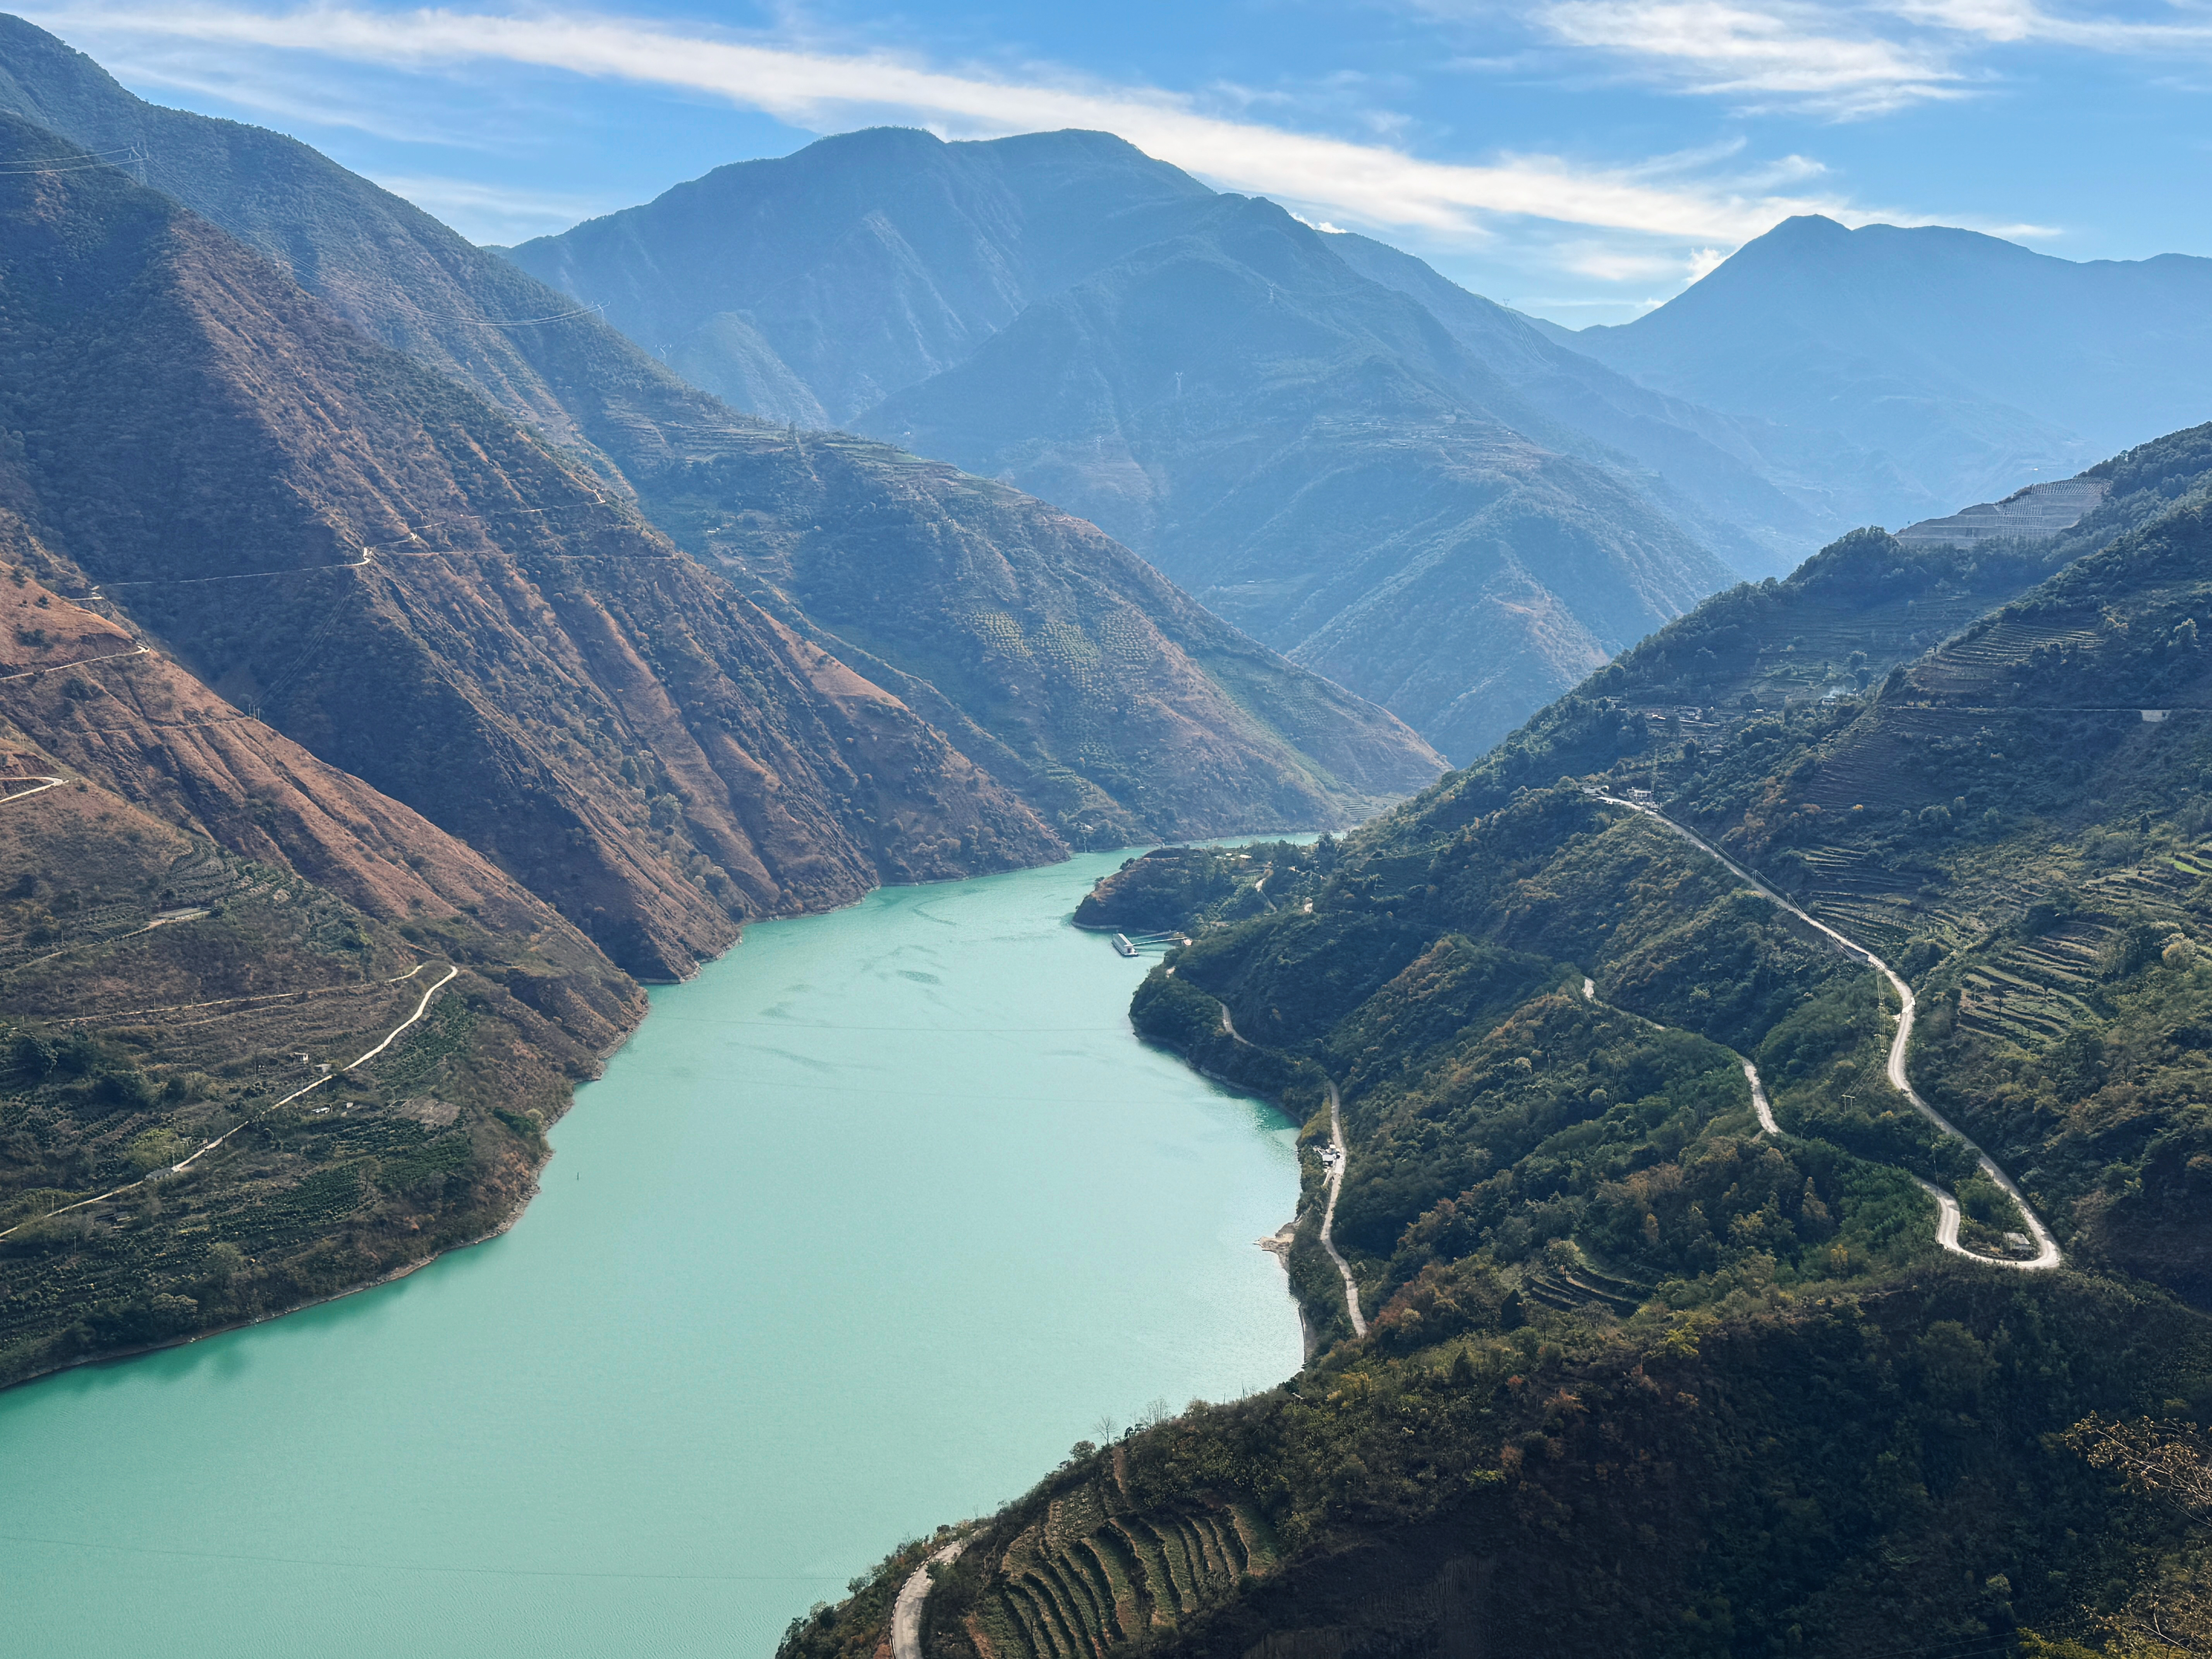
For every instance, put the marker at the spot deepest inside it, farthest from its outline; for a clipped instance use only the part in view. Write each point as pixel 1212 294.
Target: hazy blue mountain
pixel 1318 458
pixel 1714 472
pixel 1974 365
pixel 809 287
pixel 1322 457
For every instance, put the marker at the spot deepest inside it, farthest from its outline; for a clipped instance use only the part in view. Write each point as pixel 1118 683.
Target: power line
pixel 85 163
pixel 531 322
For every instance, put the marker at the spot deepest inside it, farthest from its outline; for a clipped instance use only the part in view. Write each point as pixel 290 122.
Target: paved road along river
pixel 870 1221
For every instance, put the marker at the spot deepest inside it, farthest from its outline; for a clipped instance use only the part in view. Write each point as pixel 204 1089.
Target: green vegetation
pixel 1639 1376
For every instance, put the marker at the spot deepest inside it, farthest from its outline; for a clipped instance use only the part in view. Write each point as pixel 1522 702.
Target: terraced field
pixel 1100 1571
pixel 1571 1283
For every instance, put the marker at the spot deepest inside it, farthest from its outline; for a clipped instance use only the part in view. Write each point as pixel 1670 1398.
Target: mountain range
pixel 1319 456
pixel 1445 505
pixel 403 279
pixel 1968 365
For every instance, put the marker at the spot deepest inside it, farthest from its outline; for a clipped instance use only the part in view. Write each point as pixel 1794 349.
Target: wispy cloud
pixel 1374 183
pixel 2006 22
pixel 1777 52
pixel 1850 58
pixel 492 211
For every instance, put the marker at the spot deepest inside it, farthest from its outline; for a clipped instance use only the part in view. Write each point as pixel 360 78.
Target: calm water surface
pixel 866 1226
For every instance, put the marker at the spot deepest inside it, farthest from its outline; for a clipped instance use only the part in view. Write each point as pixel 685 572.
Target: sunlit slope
pixel 422 593
pixel 194 903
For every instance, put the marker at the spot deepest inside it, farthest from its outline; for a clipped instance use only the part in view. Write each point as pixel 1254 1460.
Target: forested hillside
pixel 1685 1330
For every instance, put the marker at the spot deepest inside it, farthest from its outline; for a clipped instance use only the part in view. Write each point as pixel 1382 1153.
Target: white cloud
pixel 1371 184
pixel 1848 58
pixel 492 213
pixel 2009 21
pixel 1780 52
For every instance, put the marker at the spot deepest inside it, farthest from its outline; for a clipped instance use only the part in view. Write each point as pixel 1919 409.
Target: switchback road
pixel 2047 1255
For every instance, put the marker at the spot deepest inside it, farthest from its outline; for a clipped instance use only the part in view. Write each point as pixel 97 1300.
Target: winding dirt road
pixel 1336 1165
pixel 1333 1162
pixel 421 1008
pixel 1759 1103
pixel 2047 1255
pixel 906 1612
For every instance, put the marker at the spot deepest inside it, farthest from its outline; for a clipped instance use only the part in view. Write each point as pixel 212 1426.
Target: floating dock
pixel 1121 943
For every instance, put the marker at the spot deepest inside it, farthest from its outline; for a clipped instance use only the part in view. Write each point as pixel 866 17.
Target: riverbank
pixel 697 1392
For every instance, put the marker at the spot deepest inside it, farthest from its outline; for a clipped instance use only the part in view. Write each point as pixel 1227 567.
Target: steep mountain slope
pixel 1667 1346
pixel 1312 453
pixel 408 281
pixel 425 597
pixel 1054 657
pixel 1317 459
pixel 382 264
pixel 1836 627
pixel 194 903
pixel 809 287
pixel 1970 363
pixel 1719 474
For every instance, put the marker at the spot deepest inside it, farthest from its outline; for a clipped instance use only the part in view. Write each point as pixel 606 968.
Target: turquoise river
pixel 865 1226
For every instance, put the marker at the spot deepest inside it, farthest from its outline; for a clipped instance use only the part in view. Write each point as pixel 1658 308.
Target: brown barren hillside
pixel 1195 730
pixel 424 596
pixel 196 917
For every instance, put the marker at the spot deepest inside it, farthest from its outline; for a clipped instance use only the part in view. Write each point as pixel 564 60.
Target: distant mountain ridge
pixel 407 280
pixel 1314 452
pixel 1973 364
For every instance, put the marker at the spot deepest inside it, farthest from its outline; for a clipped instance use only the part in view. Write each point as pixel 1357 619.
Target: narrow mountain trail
pixel 81 662
pixel 421 1008
pixel 1336 1164
pixel 1759 1103
pixel 1334 1161
pixel 43 782
pixel 2047 1255
pixel 906 1612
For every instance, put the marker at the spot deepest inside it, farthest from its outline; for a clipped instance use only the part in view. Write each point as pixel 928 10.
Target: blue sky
pixel 1580 158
